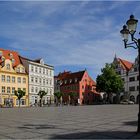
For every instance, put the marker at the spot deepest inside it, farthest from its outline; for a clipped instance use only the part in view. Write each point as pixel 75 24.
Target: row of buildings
pixel 17 72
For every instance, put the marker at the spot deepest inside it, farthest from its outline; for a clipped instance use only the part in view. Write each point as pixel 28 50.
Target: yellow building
pixel 13 76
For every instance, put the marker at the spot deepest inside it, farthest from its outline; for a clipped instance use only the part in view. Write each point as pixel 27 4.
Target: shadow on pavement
pixel 37 126
pixel 132 123
pixel 98 135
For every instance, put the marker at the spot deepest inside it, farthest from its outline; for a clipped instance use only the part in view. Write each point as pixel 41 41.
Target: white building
pixel 41 77
pixel 130 76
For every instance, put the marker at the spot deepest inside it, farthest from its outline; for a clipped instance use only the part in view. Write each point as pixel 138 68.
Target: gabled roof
pixel 15 56
pixel 71 77
pixel 126 64
pixel 35 61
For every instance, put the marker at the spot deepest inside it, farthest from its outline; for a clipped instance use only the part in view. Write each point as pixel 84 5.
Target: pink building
pixel 81 84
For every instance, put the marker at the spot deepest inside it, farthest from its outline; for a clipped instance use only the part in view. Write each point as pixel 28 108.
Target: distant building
pixel 41 77
pixel 130 75
pixel 78 82
pixel 13 76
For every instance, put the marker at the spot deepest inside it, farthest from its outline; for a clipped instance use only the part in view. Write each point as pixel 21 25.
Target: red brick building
pixel 79 83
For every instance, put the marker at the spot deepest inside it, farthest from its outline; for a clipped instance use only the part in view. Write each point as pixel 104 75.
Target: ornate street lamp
pixel 130 29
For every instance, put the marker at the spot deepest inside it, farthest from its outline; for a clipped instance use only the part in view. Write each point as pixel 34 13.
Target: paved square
pixel 75 122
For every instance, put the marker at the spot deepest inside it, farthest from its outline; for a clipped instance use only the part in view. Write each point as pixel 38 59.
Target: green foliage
pixel 58 95
pixel 42 93
pixel 109 81
pixel 20 93
pixel 72 94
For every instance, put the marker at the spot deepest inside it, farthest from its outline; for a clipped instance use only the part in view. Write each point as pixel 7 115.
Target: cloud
pixel 64 33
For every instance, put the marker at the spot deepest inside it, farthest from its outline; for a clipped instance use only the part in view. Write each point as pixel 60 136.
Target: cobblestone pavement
pixel 70 122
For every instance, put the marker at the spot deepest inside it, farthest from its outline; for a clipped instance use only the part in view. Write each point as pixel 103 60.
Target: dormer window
pixel 18 69
pixel 23 70
pixel 3 58
pixel 8 66
pixel 65 81
pixel 42 62
pixel 13 61
pixel 0 53
pixel 75 80
pixel 70 80
pixel 11 55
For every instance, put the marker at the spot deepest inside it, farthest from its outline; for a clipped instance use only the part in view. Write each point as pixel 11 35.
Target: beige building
pixel 13 76
pixel 130 75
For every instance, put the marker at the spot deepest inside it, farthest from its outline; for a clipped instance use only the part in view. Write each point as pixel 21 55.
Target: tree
pixel 20 93
pixel 58 96
pixel 72 96
pixel 109 81
pixel 41 94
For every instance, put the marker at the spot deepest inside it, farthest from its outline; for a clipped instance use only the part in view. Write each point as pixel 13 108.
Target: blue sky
pixel 70 35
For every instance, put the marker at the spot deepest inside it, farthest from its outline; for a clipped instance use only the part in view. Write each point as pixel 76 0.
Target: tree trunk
pixel 19 103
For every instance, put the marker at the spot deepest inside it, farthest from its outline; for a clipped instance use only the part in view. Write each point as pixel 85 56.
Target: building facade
pixel 130 75
pixel 41 77
pixel 13 76
pixel 80 83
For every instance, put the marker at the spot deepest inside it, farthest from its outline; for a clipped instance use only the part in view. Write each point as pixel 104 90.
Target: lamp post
pixel 130 29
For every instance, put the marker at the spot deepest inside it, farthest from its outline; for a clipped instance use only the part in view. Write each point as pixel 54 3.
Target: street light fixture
pixel 130 29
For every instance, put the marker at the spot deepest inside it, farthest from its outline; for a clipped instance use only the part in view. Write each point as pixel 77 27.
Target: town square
pixel 69 69
pixel 70 122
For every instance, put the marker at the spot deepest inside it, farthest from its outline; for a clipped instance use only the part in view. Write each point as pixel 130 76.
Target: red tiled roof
pixel 6 55
pixel 126 64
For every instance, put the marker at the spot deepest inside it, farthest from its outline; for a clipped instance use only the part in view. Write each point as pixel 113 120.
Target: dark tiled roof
pixel 70 78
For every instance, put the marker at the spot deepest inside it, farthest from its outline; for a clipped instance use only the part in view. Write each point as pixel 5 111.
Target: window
pixel 13 90
pixel 19 79
pixel 40 70
pixel 19 88
pixel 23 70
pixel 36 69
pixel 47 72
pixel 3 89
pixel 132 79
pixel 138 78
pixel 24 80
pixel 32 68
pixel 13 79
pixel 8 90
pixel 50 73
pixel 24 89
pixel 8 66
pixel 13 61
pixel 135 69
pixel 137 88
pixel 36 80
pixel 3 78
pixel 123 79
pixel 32 79
pixel 132 88
pixel 83 87
pixel 76 80
pixel 43 71
pixel 47 81
pixel 23 102
pixel 44 81
pixel 36 90
pixel 18 69
pixel 32 89
pixel 8 79
pixel 40 80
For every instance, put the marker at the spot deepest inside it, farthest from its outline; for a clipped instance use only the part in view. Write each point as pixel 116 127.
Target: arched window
pixel 8 66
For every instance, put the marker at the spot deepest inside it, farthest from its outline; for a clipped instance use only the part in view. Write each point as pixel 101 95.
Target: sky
pixel 69 35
